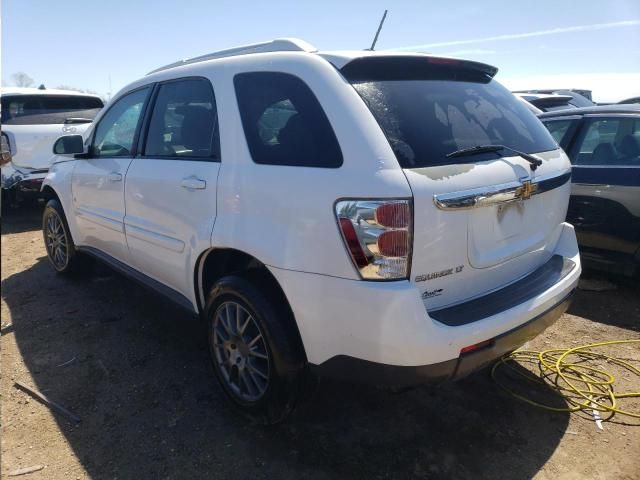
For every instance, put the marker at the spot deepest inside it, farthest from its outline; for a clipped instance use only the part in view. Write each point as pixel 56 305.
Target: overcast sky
pixel 538 44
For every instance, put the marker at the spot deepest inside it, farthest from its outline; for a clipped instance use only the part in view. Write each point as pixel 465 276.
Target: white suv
pixel 371 216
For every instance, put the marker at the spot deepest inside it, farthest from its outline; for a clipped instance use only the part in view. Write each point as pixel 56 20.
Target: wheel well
pixel 220 262
pixel 49 193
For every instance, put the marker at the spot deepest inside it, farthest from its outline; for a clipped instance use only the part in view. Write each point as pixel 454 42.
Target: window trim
pixel 322 109
pixel 134 145
pixel 215 139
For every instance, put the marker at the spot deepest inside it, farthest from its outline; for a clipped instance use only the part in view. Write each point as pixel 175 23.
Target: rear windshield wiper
pixel 534 161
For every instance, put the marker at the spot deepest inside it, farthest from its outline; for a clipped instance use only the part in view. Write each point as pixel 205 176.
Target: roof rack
pixel 277 45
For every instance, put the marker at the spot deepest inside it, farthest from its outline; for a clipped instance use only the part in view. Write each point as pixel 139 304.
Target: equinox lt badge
pixel 441 273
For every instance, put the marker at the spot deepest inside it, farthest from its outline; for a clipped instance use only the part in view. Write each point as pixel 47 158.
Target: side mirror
pixel 5 150
pixel 69 145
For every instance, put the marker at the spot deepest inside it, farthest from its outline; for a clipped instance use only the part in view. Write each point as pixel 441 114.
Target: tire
pixel 61 251
pixel 257 359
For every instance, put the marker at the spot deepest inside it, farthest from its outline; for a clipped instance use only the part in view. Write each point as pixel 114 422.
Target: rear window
pixel 48 109
pixel 428 111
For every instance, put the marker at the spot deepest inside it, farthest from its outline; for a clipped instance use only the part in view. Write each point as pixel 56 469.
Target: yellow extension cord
pixel 584 387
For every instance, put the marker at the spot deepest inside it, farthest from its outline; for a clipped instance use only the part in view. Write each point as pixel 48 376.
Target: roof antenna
pixel 375 39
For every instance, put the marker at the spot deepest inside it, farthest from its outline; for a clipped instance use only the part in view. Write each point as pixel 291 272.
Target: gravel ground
pixel 135 369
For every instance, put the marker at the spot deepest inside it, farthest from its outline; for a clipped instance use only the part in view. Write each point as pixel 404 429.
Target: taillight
pixel 377 234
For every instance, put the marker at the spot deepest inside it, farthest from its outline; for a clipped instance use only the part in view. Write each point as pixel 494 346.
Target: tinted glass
pixel 609 141
pixel 284 123
pixel 117 128
pixel 183 123
pixel 558 129
pixel 425 119
pixel 47 109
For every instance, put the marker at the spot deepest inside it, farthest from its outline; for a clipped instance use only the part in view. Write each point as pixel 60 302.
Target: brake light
pixel 353 243
pixel 393 243
pixel 377 234
pixel 393 215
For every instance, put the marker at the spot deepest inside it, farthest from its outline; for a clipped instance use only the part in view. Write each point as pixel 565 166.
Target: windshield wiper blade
pixel 534 161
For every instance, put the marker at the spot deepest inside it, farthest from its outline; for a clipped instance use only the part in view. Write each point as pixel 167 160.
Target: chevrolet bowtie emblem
pixel 526 190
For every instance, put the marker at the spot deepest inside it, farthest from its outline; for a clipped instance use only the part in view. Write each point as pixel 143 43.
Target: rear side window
pixel 427 111
pixel 184 121
pixel 609 141
pixel 283 121
pixel 116 131
pixel 48 109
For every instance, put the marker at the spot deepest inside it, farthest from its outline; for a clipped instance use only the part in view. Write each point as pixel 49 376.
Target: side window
pixel 184 121
pixel 283 121
pixel 608 141
pixel 117 129
pixel 558 129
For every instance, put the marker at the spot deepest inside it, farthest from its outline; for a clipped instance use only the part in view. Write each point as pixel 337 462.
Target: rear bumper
pixel 353 369
pixel 356 325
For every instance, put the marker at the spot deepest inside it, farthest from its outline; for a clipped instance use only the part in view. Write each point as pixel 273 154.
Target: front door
pixel 98 182
pixel 170 191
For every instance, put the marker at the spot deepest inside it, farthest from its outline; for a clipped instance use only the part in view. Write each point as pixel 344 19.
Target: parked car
pixel 603 144
pixel 579 97
pixel 344 213
pixel 32 119
pixel 547 102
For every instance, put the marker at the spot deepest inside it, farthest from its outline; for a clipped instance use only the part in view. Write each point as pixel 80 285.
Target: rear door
pixel 170 190
pixel 34 122
pixel 605 198
pixel 97 183
pixel 480 221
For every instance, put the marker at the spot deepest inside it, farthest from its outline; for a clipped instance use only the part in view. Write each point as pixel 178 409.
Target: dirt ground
pixel 135 369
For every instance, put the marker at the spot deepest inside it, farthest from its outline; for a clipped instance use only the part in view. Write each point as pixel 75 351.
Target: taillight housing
pixel 377 235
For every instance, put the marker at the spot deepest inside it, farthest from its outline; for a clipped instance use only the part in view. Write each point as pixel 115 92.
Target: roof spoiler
pixel 410 66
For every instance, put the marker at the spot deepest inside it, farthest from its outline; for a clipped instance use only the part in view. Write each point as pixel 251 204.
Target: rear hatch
pixel 33 123
pixel 483 220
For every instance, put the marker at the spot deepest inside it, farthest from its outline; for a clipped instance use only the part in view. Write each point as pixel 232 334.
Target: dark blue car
pixel 603 143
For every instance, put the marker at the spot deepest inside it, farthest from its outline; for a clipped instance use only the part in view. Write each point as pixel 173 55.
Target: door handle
pixel 193 183
pixel 115 177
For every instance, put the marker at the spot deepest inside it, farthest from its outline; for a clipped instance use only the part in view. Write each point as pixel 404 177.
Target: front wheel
pixel 61 250
pixel 252 342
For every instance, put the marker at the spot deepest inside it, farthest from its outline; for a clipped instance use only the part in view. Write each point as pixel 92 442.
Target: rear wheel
pixel 253 350
pixel 61 250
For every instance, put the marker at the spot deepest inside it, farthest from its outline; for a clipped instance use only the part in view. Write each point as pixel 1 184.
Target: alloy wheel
pixel 56 241
pixel 240 351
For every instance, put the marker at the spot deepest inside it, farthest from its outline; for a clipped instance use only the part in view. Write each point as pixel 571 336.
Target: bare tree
pixel 21 79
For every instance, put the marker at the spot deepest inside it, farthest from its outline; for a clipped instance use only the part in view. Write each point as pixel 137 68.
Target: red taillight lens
pixel 394 243
pixel 393 215
pixel 353 243
pixel 377 234
pixel 476 346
